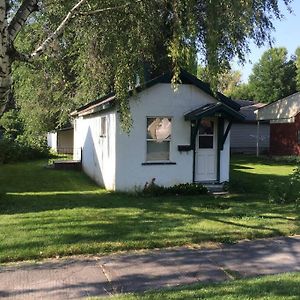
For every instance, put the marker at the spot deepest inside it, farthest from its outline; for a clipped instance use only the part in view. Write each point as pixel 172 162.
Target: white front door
pixel 206 151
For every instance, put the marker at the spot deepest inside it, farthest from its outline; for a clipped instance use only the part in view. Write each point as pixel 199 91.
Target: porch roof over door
pixel 214 109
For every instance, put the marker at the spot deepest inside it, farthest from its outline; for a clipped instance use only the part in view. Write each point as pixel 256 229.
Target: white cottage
pixel 177 137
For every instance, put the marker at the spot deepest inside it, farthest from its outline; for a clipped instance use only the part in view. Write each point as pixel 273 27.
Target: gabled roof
pixel 185 77
pixel 248 108
pixel 281 110
pixel 213 109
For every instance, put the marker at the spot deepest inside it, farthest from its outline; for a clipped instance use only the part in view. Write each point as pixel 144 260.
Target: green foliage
pixel 182 189
pixel 15 151
pixel 297 63
pixel 273 77
pixel 290 159
pixel 228 81
pixel 43 90
pixel 17 131
pixel 18 144
pixel 241 92
pixel 12 125
pixel 107 51
pixel 285 192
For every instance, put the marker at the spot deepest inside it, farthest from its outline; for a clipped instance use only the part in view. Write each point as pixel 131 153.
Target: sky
pixel 286 34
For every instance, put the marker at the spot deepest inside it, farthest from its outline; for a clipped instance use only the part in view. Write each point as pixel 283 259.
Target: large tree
pixel 116 39
pixel 228 81
pixel 297 63
pixel 273 77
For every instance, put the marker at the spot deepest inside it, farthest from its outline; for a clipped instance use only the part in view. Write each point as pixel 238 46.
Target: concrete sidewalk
pixel 100 276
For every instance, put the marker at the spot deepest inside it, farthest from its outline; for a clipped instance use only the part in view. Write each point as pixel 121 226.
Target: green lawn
pixel 44 213
pixel 276 287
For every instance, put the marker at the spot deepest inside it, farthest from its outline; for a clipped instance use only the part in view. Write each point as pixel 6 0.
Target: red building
pixel 284 117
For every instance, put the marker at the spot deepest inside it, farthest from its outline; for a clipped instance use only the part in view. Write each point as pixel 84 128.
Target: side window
pixel 103 126
pixel 298 136
pixel 159 131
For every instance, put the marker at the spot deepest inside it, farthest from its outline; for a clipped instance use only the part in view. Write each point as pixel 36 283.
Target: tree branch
pixel 97 11
pixel 40 49
pixel 25 10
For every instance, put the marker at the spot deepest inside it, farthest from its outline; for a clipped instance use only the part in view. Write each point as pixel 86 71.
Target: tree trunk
pixel 5 62
pixel 8 34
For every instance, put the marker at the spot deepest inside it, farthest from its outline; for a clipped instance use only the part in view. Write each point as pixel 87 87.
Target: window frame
pixel 212 135
pixel 103 133
pixel 168 140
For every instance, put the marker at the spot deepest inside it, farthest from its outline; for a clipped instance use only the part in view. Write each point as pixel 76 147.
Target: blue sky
pixel 286 34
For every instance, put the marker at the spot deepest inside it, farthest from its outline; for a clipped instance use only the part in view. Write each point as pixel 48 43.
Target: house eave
pixel 218 109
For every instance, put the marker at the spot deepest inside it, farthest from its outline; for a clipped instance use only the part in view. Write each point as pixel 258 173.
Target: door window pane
pixel 206 142
pixel 206 127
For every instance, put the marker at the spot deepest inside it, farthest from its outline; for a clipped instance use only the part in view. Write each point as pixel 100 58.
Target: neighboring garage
pixel 61 141
pixel 284 117
pixel 245 135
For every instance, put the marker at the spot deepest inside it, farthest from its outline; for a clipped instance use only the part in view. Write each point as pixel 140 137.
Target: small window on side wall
pixel 298 133
pixel 159 131
pixel 103 126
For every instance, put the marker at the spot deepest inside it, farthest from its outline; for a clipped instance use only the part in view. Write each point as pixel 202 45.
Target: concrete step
pixel 215 187
pixel 67 165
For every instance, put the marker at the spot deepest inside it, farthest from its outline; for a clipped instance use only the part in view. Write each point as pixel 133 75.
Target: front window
pixel 158 138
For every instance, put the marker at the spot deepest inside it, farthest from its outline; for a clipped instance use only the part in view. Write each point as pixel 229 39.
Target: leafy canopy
pixel 110 43
pixel 273 77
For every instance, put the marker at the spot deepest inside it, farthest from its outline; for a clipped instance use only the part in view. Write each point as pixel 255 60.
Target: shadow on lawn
pixel 263 160
pixel 244 182
pixel 107 223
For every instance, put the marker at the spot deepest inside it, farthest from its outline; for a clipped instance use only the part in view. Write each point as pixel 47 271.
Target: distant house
pixel 62 140
pixel 284 117
pixel 245 134
pixel 176 137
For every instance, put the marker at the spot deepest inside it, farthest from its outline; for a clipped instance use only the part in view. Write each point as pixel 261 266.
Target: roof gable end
pixel 185 77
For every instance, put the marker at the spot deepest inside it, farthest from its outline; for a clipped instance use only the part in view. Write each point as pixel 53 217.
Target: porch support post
pixel 219 145
pixel 257 139
pixel 194 130
pixel 226 133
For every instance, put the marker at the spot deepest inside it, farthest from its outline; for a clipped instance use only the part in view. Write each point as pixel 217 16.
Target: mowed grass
pixel 46 213
pixel 276 287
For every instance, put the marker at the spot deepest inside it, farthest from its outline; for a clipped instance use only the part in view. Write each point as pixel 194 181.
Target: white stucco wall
pixel 160 100
pixel 52 140
pixel 98 153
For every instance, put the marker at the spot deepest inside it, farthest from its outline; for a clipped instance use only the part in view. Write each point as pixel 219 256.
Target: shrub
pixel 181 189
pixel 285 192
pixel 292 159
pixel 14 151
